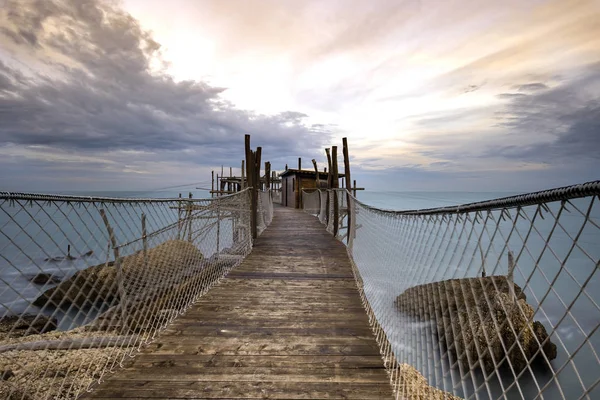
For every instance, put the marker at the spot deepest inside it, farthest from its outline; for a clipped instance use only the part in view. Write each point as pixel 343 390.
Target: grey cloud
pixel 510 95
pixel 531 87
pixel 106 97
pixel 566 118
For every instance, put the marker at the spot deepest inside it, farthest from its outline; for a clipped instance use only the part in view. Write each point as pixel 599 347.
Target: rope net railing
pixel 496 299
pixel 85 282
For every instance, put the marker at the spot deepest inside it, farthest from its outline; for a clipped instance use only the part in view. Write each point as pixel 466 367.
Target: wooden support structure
pixel 317 180
pixel 347 179
pixel 335 185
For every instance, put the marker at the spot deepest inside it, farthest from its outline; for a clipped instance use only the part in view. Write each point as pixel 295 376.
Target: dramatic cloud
pixel 449 94
pixel 566 119
pixel 97 90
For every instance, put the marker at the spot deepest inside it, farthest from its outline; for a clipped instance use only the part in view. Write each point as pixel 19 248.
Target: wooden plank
pixel 288 323
pixel 243 390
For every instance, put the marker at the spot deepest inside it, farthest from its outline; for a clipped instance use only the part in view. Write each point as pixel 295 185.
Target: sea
pixel 571 314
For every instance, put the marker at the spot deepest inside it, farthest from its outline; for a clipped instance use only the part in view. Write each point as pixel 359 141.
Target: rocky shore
pixel 157 286
pixel 479 321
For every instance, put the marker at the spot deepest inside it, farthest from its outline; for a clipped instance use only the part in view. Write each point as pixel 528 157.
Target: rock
pixel 477 320
pixel 141 273
pixel 27 324
pixel 43 278
pixel 412 385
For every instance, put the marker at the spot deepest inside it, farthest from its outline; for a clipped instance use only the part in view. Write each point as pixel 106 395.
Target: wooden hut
pixel 293 181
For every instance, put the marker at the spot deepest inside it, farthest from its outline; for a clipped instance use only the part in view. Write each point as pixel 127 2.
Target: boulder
pixel 141 272
pixel 44 278
pixel 412 385
pixel 27 324
pixel 478 320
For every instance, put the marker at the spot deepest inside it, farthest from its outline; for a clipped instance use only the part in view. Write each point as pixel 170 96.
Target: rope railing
pixel 496 299
pixel 86 281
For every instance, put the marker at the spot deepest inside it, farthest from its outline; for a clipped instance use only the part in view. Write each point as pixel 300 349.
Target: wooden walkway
pixel 286 324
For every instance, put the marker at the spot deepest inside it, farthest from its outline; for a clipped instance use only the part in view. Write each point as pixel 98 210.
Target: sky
pixel 433 95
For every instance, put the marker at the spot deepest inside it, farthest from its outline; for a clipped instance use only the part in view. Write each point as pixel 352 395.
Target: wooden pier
pixel 286 324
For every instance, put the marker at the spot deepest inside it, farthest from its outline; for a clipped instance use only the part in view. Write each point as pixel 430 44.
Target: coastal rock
pixel 141 272
pixel 412 385
pixel 44 278
pixel 477 319
pixel 23 325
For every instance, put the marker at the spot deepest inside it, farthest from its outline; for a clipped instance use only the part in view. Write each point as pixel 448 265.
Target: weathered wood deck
pixel 286 324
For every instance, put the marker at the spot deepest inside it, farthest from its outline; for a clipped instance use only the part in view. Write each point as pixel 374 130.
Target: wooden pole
pixel 267 175
pixel 250 172
pixel 330 169
pixel 179 215
pixel 328 184
pixel 189 218
pixel 335 183
pixel 299 164
pixel 144 241
pixel 317 180
pixel 354 190
pixel 121 288
pixel 212 187
pixel 243 184
pixel 347 179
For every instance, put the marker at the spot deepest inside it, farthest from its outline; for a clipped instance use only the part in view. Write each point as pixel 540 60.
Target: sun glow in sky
pixel 432 95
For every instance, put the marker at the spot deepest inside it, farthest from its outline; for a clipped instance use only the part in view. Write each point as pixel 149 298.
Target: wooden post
pixel 121 288
pixel 317 180
pixel 299 164
pixel 335 183
pixel 189 217
pixel 347 179
pixel 330 169
pixel 267 175
pixel 179 216
pixel 219 228
pixel 144 241
pixel 354 189
pixel 327 205
pixel 250 172
pixel 212 187
pixel 510 276
pixel 257 188
pixel 242 183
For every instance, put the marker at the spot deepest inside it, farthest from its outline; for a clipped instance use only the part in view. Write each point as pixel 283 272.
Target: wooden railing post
pixel 347 178
pixel 120 277
pixel 335 183
pixel 250 172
